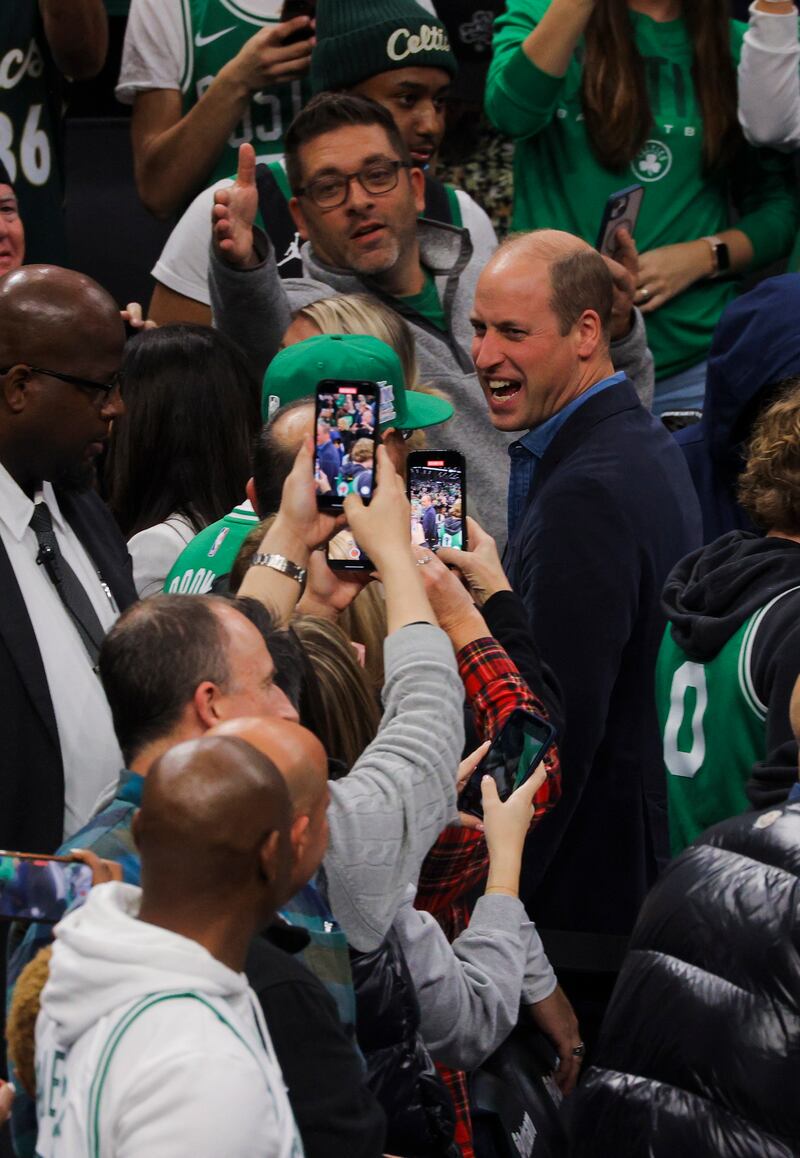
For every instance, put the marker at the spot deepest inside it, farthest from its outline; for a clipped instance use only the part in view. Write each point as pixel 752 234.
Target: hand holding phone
pixel 513 757
pixel 480 567
pixel 41 888
pixel 381 529
pixel 291 10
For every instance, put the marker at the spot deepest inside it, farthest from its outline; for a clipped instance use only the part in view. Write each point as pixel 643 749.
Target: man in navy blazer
pixel 600 507
pixel 61 342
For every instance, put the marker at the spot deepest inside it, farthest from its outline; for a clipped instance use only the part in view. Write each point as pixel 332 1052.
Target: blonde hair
pixel 362 450
pixel 769 486
pixel 21 1027
pixel 347 716
pixel 362 314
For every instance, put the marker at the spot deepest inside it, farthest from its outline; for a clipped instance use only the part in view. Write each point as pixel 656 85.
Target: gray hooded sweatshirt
pixel 254 307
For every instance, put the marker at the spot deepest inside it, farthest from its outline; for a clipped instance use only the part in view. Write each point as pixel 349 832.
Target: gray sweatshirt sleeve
pixel 469 992
pixel 254 306
pixel 631 355
pixel 388 811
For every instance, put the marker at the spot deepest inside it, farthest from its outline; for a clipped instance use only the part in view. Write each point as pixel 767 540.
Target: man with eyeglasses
pixel 356 199
pixel 65 572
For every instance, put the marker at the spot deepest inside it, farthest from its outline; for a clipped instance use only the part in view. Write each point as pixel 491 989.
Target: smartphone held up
pixel 437 492
pixel 514 756
pixel 41 888
pixel 621 212
pixel 347 439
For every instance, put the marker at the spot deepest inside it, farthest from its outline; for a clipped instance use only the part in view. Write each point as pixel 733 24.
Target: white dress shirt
pixel 89 749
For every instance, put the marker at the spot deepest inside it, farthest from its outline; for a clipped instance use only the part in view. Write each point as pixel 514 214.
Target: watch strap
pixel 722 259
pixel 283 565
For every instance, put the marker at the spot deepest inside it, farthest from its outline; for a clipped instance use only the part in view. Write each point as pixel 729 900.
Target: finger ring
pixel 422 562
pixel 579 1050
pixel 644 294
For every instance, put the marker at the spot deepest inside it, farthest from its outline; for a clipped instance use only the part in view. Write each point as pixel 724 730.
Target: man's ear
pixel 14 388
pixel 417 179
pixel 298 217
pixel 269 857
pixel 298 834
pixel 205 702
pixel 250 491
pixel 589 334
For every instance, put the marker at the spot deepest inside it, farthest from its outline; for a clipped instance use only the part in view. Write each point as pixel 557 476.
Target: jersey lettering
pixel 688 685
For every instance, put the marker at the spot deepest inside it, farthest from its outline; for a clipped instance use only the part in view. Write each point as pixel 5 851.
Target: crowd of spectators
pixel 246 905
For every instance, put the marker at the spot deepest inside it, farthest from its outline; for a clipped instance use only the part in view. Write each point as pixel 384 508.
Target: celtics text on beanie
pixel 357 39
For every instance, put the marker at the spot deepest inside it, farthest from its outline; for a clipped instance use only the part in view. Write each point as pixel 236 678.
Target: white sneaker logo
pixel 201 41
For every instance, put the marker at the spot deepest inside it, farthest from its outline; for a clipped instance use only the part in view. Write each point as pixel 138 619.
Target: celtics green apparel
pixel 30 127
pixel 560 184
pixel 214 32
pixel 211 554
pixel 713 726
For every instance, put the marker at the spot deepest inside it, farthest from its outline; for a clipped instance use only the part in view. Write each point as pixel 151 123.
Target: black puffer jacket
pixel 420 1118
pixel 699 1056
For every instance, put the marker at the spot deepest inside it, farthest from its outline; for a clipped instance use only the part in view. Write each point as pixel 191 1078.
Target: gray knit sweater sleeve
pixel 388 811
pixel 469 992
pixel 254 306
pixel 631 355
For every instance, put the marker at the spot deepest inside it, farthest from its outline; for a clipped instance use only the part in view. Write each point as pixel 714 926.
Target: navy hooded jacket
pixel 756 345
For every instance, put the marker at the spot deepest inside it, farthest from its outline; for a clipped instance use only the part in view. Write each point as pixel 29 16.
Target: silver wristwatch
pixel 282 564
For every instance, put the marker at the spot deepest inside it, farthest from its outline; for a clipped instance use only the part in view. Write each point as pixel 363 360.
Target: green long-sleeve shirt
pixel 560 184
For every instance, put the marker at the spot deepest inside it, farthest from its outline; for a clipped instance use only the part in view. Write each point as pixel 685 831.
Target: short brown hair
pixel 336 110
pixel 581 281
pixel 769 486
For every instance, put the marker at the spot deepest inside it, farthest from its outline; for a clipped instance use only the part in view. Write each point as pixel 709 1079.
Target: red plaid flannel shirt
pixel 458 863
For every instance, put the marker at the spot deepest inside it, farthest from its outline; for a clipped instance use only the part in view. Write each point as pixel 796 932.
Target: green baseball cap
pixel 294 373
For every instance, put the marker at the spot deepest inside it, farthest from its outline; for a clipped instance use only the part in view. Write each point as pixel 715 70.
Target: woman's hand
pixel 480 567
pixel 298 516
pixel 624 269
pixel 465 770
pixel 666 272
pixel 506 825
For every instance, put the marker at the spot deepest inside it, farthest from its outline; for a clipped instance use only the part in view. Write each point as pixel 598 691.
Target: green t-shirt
pixel 427 303
pixel 713 728
pixel 559 183
pixel 211 553
pixel 214 31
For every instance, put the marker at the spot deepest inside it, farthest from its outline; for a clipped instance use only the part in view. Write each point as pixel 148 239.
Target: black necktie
pixel 66 582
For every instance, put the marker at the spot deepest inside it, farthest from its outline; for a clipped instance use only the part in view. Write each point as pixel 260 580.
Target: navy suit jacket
pixel 31 772
pixel 610 510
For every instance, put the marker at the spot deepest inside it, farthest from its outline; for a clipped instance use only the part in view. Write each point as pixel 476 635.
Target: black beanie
pixel 357 39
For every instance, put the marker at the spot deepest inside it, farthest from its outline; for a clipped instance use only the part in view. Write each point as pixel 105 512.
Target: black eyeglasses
pixel 331 191
pixel 105 388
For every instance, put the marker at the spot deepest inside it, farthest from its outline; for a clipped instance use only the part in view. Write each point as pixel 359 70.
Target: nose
pixel 428 122
pixel 358 199
pixel 486 351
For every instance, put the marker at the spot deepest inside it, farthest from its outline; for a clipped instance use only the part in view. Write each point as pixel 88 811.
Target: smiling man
pixel 600 507
pixel 65 572
pixel 356 196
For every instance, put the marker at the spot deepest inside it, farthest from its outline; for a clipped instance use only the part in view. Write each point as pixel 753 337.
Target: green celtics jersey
pixel 211 553
pixel 214 32
pixel 713 727
pixel 30 113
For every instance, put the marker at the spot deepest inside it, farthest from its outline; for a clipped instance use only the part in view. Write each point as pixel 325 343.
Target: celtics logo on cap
pixel 652 162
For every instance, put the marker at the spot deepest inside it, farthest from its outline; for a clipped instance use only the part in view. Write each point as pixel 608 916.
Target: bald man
pixel 600 507
pixel 337 1115
pixel 149 1036
pixel 64 567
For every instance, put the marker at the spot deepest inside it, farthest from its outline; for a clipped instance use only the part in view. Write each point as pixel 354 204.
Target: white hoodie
pixel 148 1047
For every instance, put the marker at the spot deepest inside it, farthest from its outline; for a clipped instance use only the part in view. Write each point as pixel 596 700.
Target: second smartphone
pixel 346 436
pixel 437 491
